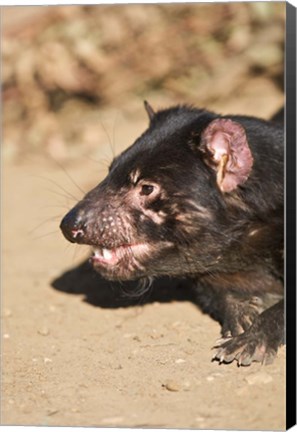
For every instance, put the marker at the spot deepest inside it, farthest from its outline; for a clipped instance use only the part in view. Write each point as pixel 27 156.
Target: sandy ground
pixel 77 351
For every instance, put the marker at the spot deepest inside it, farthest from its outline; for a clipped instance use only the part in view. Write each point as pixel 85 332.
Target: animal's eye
pixel 146 189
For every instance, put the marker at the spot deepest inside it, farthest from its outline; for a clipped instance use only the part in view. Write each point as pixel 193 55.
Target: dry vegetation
pixel 63 64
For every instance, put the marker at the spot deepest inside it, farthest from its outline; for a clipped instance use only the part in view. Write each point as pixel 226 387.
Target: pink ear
pixel 226 149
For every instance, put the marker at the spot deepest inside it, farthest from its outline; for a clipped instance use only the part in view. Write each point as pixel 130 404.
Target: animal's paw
pixel 259 343
pixel 240 315
pixel 246 348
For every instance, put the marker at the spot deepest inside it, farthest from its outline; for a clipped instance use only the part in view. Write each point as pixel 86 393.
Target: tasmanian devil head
pixel 170 204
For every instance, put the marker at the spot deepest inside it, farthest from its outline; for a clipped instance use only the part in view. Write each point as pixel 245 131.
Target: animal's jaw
pixel 122 262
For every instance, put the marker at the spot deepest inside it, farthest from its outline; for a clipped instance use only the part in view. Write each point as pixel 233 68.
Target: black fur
pixel 160 212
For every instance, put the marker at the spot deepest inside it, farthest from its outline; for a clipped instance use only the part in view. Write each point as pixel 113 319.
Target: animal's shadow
pixel 102 293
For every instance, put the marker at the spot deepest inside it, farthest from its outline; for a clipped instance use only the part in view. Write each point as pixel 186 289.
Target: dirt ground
pixel 78 352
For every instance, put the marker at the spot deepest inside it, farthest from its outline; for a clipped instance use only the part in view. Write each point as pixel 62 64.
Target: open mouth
pixel 111 257
pixel 105 256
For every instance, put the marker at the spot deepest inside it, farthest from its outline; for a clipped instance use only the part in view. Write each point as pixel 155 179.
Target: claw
pixel 214 357
pixel 268 358
pixel 244 359
pixel 221 341
pixel 222 359
pixel 244 349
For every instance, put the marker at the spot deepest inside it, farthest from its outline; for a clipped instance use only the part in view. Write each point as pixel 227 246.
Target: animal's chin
pixel 120 263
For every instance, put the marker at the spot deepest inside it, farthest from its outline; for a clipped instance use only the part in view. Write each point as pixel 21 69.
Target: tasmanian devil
pixel 198 196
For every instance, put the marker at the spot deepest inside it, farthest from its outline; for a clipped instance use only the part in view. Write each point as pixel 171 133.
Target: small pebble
pixel 52 412
pixel 176 324
pixel 213 376
pixel 179 361
pixel 259 378
pixel 75 410
pixel 128 335
pixel 156 335
pixel 172 386
pixel 6 336
pixel 47 360
pixel 44 331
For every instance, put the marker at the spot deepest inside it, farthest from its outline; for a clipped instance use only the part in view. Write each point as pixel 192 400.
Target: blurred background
pixel 63 66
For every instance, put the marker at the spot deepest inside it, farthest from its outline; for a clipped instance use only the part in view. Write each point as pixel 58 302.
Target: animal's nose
pixel 73 226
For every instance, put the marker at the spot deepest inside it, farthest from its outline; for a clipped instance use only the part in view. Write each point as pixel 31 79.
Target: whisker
pixel 113 132
pixel 51 219
pixel 59 186
pixel 68 175
pixel 46 235
pixel 62 195
pixel 101 161
pixel 143 287
pixel 78 251
pixel 108 137
pixel 62 206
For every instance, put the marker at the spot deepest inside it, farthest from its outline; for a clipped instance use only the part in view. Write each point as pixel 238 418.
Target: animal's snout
pixel 93 224
pixel 73 226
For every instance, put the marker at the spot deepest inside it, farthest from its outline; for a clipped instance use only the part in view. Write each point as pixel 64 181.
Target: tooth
pixel 107 254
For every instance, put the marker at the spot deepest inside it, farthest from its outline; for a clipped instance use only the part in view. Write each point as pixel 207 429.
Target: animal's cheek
pixel 147 207
pixel 159 218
